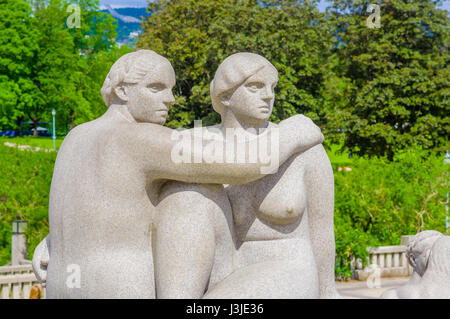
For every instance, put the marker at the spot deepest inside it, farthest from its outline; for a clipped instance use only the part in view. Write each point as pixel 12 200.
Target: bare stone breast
pixel 285 202
pixel 272 205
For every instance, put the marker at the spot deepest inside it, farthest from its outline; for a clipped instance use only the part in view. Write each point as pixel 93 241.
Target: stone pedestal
pixel 18 242
pixel 18 249
pixel 404 240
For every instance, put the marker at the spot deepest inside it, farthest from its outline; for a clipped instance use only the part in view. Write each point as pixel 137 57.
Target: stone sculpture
pixel 40 260
pixel 429 255
pixel 107 180
pixel 272 238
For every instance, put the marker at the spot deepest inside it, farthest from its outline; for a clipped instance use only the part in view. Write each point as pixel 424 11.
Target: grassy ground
pixel 40 141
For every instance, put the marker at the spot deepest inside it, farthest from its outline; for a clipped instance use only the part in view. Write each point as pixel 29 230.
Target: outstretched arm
pixel 320 190
pixel 154 146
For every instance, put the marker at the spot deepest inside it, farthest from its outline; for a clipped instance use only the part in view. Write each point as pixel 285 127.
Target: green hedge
pixel 25 179
pixel 379 201
pixel 375 203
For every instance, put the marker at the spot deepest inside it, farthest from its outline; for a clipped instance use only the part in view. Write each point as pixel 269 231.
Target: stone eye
pixel 255 86
pixel 156 87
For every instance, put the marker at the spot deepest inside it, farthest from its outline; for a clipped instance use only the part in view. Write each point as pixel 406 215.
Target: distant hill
pixel 128 26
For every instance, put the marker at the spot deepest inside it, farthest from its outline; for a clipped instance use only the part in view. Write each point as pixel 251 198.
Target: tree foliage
pixel 48 64
pixel 395 79
pixel 18 47
pixel 380 90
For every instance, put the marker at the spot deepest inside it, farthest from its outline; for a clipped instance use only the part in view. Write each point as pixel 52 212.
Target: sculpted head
pixel 440 257
pixel 142 81
pixel 419 249
pixel 244 85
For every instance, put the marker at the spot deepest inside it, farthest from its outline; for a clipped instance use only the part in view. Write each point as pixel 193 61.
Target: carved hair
pixel 420 244
pixel 231 73
pixel 130 68
pixel 440 256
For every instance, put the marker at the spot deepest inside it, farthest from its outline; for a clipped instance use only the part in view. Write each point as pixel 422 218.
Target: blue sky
pixel 143 3
pixel 323 4
pixel 124 3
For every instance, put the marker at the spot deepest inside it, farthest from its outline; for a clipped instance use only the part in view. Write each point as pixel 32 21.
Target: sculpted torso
pixel 101 218
pixel 273 238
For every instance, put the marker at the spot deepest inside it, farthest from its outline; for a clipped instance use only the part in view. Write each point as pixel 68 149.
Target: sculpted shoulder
pixel 316 155
pixel 94 136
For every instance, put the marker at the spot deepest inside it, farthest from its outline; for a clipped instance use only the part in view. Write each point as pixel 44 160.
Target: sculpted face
pixel 149 100
pixel 421 262
pixel 252 102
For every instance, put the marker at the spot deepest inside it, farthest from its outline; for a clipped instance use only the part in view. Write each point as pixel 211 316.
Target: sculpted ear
pixel 121 92
pixel 225 99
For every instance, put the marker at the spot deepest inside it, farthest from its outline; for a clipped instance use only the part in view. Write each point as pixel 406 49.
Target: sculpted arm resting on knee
pixel 183 242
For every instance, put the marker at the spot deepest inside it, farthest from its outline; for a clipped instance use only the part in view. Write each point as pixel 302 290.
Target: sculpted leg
pixel 278 279
pixel 183 242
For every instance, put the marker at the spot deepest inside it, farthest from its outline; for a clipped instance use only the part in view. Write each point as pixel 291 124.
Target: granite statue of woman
pixel 106 183
pixel 271 238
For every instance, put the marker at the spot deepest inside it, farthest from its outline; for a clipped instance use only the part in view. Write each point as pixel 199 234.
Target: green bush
pixel 379 201
pixel 25 179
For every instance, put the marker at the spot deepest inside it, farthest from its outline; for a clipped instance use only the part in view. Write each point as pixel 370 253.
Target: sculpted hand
pixel 40 260
pixel 304 131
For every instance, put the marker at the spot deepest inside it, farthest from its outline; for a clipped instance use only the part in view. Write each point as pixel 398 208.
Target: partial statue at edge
pixel 429 255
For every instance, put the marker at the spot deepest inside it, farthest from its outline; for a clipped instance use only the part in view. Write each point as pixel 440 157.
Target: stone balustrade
pixel 388 261
pixel 16 282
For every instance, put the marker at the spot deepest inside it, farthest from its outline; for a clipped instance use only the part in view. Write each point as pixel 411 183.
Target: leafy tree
pixel 67 56
pixel 54 62
pixel 46 63
pixel 196 36
pixel 18 49
pixel 95 48
pixel 394 80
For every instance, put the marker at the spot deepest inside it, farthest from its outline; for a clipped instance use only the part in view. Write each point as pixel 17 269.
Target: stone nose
pixel 267 94
pixel 170 99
